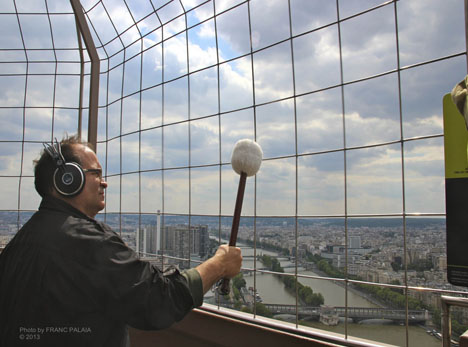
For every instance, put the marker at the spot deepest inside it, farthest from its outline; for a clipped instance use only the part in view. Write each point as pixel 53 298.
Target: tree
pixel 261 310
pixel 305 293
pixel 396 266
pixel 239 281
pixel 421 265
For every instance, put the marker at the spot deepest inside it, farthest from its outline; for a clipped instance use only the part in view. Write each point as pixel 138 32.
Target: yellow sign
pixel 455 141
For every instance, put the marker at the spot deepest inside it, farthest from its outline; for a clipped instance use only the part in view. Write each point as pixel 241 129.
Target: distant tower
pixel 158 232
pixel 145 237
pixel 137 241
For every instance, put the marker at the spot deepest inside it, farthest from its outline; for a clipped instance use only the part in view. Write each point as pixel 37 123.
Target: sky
pixel 178 91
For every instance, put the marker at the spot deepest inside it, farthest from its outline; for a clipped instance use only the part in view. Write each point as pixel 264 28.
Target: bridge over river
pixel 355 313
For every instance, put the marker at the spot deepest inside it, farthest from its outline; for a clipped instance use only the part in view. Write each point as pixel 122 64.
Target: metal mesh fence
pixel 343 96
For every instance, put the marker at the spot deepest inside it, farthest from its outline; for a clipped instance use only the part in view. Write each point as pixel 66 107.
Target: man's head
pixel 90 200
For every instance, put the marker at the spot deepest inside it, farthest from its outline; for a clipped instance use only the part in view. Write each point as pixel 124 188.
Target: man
pixel 69 280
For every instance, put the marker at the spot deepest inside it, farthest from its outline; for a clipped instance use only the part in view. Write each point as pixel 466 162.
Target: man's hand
pixel 226 263
pixel 230 258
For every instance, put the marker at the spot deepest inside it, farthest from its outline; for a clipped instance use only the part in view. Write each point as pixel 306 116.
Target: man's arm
pixel 226 263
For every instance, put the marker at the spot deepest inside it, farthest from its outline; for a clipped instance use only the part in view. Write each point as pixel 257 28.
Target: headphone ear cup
pixel 69 181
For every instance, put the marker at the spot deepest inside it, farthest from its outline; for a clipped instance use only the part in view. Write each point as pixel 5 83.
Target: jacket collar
pixel 55 204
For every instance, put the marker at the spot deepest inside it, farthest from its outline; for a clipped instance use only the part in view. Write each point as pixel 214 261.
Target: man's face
pixel 91 199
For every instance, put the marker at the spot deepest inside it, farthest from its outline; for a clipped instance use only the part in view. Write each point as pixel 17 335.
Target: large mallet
pixel 246 159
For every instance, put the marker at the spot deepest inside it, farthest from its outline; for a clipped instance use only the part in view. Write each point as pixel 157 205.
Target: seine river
pixel 271 291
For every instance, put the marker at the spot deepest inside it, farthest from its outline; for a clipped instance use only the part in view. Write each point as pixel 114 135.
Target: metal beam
pixel 446 303
pixel 95 71
pixel 82 69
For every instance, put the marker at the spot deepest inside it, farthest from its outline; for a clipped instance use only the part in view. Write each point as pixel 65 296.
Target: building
pixel 354 242
pixel 181 242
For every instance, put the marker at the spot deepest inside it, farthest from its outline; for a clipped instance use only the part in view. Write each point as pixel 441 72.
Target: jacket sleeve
pixel 123 287
pixel 195 284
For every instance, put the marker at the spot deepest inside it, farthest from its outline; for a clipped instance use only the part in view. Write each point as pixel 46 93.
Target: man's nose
pixel 103 183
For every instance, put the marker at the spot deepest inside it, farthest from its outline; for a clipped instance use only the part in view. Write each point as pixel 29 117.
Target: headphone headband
pixel 55 151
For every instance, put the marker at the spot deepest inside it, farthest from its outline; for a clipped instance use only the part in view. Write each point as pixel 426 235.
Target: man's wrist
pixel 210 272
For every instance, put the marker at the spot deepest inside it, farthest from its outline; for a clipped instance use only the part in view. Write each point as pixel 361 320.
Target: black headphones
pixel 69 178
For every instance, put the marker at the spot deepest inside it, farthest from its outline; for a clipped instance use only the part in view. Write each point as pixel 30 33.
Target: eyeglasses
pixel 97 172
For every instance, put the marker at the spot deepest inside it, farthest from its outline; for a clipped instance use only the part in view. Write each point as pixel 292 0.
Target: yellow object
pixel 455 140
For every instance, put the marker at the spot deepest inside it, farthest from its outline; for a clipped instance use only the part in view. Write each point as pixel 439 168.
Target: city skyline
pixel 381 242
pixel 382 234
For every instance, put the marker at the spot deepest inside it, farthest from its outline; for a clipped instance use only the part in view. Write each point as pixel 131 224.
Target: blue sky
pixel 183 114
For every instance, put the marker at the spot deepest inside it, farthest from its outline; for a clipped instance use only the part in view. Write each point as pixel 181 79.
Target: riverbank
pixel 317 272
pixel 353 289
pixel 272 291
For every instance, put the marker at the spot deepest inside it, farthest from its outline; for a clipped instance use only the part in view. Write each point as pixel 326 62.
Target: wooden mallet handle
pixel 224 288
pixel 246 159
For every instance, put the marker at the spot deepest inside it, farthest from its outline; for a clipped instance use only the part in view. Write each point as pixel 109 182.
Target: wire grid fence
pixel 345 136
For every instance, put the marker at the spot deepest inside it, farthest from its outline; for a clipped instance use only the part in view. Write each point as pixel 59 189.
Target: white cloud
pixel 372 115
pixel 369 38
pixel 201 58
pixel 130 196
pixel 176 191
pixel 430 29
pixel 270 22
pixel 424 176
pixel 205 190
pixel 29 198
pixel 10 165
pixel 321 192
pixel 273 73
pixel 370 130
pixel 276 188
pixel 151 195
pixel 236 85
pixel 175 57
pixel 207 30
pixel 102 25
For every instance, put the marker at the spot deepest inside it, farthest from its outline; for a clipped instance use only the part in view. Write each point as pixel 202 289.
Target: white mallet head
pixel 246 157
